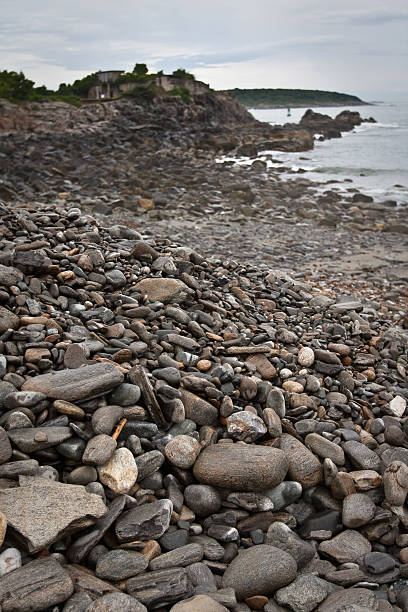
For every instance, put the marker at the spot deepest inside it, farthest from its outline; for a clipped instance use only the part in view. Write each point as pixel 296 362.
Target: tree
pixel 180 72
pixel 140 69
pixel 14 85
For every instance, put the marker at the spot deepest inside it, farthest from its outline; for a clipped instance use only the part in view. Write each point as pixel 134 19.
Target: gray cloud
pixel 263 43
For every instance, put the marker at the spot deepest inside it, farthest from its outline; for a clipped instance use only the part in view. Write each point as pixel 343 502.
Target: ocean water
pixel 374 155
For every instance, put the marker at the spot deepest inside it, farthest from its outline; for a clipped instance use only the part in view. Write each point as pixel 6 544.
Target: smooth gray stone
pixel 23 399
pixel 202 578
pixel 78 384
pixel 36 586
pixel 34 439
pixel 281 536
pixel 120 564
pixel 174 539
pixel 99 450
pixel 362 457
pixel 160 587
pixel 179 557
pixel 104 419
pixel 203 500
pixel 379 563
pixel 259 570
pixel 125 394
pixel 145 522
pixel 358 510
pixel 73 448
pixel 41 511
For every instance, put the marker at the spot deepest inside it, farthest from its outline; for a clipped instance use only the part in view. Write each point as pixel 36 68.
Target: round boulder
pixel 259 570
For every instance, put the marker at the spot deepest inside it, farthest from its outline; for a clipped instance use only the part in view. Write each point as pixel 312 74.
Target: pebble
pixel 306 357
pixel 358 510
pixel 174 422
pixel 245 426
pixel 120 472
pixel 182 451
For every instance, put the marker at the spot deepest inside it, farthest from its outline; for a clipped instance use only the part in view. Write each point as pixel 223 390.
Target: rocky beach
pixel 203 367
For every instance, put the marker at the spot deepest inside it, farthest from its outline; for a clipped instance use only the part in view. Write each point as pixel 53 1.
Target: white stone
pixel 120 472
pixel 398 406
pixel 10 560
pixel 306 357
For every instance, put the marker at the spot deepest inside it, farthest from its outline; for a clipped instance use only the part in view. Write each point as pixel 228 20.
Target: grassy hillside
pixel 269 98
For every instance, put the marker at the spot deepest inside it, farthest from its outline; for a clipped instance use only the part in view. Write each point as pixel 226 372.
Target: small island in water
pixel 278 98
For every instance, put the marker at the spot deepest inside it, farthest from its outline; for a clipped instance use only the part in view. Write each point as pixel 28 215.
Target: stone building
pixel 107 88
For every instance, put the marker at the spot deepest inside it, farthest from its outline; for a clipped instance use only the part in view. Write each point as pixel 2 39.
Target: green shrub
pixel 182 92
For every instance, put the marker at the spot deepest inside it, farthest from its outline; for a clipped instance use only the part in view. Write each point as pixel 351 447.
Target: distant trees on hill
pixel 292 97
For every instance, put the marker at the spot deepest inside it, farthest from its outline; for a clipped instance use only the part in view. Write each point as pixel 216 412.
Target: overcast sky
pixel 353 46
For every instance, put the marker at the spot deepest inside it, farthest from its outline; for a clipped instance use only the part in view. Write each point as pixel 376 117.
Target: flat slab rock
pixel 38 585
pixel 241 467
pixel 42 511
pixel 79 384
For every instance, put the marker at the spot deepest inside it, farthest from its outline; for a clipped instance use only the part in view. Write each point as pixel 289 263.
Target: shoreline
pixel 306 106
